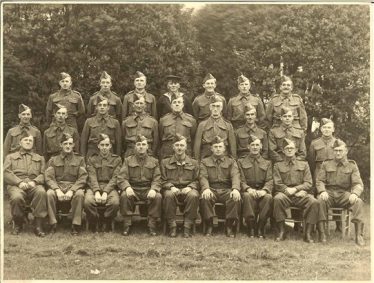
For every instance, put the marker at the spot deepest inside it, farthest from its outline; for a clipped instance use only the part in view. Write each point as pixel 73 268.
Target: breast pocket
pixel 237 110
pixel 248 172
pixel 188 173
pixel 345 177
pixel 36 166
pixel 148 171
pixel 72 104
pixel 243 140
pixel 134 173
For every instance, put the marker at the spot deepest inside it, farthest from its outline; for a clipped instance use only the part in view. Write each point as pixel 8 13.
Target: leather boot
pixel 108 225
pixel 173 232
pixel 251 226
pixel 229 228
pixel 17 228
pixel 92 226
pixel 308 229
pixel 126 231
pixel 209 228
pixel 261 229
pixel 39 227
pixel 75 230
pixel 281 228
pixel 187 232
pixel 338 226
pixel 359 231
pixel 321 231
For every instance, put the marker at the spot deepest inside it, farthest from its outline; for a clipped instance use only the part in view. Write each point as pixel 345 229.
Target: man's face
pixel 104 146
pixel 250 116
pixel 68 145
pixel 218 149
pixel 141 147
pixel 255 147
pixel 177 104
pixel 216 109
pixel 139 105
pixel 61 115
pixel 287 118
pixel 340 152
pixel 65 83
pixel 244 87
pixel 180 147
pixel 289 150
pixel 140 83
pixel 25 116
pixel 105 84
pixel 27 143
pixel 210 85
pixel 173 86
pixel 327 129
pixel 103 107
pixel 286 87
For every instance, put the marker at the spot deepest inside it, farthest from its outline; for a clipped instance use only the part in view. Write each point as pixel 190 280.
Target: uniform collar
pixel 25 126
pixel 218 158
pixel 57 126
pixel 173 159
pixel 341 162
pixel 65 91
pixel 209 94
pixel 66 156
pixel 24 152
pixel 291 160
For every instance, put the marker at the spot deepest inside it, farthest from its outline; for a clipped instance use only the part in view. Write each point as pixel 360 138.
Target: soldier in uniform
pixel 288 99
pixel 165 100
pixel 139 123
pixel 236 105
pixel 103 169
pixel 214 126
pixel 277 134
pixel 100 123
pixel 339 184
pixel 140 82
pixel 140 179
pixel 66 177
pixel 200 105
pixel 52 136
pixel 256 186
pixel 179 175
pixel 250 128
pixel 24 176
pixel 68 97
pixel 292 184
pixel 176 122
pixel 115 104
pixel 12 139
pixel 220 181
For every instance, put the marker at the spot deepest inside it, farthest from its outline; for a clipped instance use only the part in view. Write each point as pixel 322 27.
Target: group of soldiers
pixel 170 152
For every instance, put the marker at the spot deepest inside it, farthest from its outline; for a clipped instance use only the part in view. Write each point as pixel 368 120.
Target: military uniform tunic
pixel 164 104
pixel 172 124
pixel 242 135
pixel 115 104
pixel 200 106
pixel 128 104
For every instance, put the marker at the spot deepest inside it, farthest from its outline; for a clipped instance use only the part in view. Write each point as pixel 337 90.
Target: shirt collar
pixel 291 160
pixel 218 158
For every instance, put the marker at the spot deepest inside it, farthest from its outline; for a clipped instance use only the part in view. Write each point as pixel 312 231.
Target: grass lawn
pixel 61 256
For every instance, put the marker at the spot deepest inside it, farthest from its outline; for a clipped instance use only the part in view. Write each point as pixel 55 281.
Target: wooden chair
pixel 342 215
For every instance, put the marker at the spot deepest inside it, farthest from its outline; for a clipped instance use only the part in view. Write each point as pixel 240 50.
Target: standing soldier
pixel 292 184
pixel 277 134
pixel 52 136
pixel 257 187
pixel 288 99
pixel 69 98
pixel 236 105
pixel 12 139
pixel 179 175
pixel 24 176
pixel 115 105
pixel 164 101
pixel 177 122
pixel 140 179
pixel 220 181
pixel 339 184
pixel 214 126
pixel 200 105
pixel 103 169
pixel 66 177
pixel 139 123
pixel 100 123
pixel 128 100
pixel 250 128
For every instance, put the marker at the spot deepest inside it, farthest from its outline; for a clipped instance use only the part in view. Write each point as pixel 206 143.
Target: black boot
pixel 281 228
pixel 92 226
pixel 17 226
pixel 261 228
pixel 126 231
pixel 308 229
pixel 75 230
pixel 108 225
pixel 251 227
pixel 359 231
pixel 173 232
pixel 321 231
pixel 187 232
pixel 209 227
pixel 229 228
pixel 338 226
pixel 38 230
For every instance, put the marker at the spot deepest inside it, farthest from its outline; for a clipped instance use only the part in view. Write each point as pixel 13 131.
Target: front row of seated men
pixel 246 185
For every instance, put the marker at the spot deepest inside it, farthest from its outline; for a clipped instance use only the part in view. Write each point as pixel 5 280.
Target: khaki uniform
pixel 73 102
pixel 102 177
pixel 221 175
pixel 180 175
pixel 142 175
pixel 207 131
pixel 139 125
pixel 95 126
pixel 52 139
pixel 295 102
pixel 276 137
pixel 172 124
pixel 293 173
pixel 256 173
pixel 242 135
pixel 66 172
pixel 12 139
pixel 200 106
pixel 115 104
pixel 128 104
pixel 22 166
pixel 339 179
pixel 235 109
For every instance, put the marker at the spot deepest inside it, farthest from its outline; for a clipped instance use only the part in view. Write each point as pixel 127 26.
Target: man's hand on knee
pixel 207 194
pixel 69 195
pixel 129 192
pixel 324 196
pixel 97 197
pixel 235 195
pixel 151 194
pixel 353 198
pixel 23 186
pixel 60 195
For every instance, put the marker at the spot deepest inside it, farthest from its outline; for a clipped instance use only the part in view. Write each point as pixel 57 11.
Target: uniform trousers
pixel 260 206
pixel 111 205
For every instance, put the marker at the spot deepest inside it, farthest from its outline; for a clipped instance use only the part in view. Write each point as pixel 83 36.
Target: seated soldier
pixel 179 175
pixel 220 182
pixel 66 177
pixel 339 184
pixel 292 182
pixel 140 179
pixel 103 169
pixel 257 186
pixel 24 175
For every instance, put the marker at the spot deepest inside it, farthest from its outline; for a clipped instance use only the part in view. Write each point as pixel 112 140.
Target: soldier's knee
pixel 79 194
pixel 246 196
pixel 279 197
pixel 267 197
pixel 168 194
pixel 51 193
pixel 40 191
pixel 158 196
pixel 193 194
pixel 17 198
